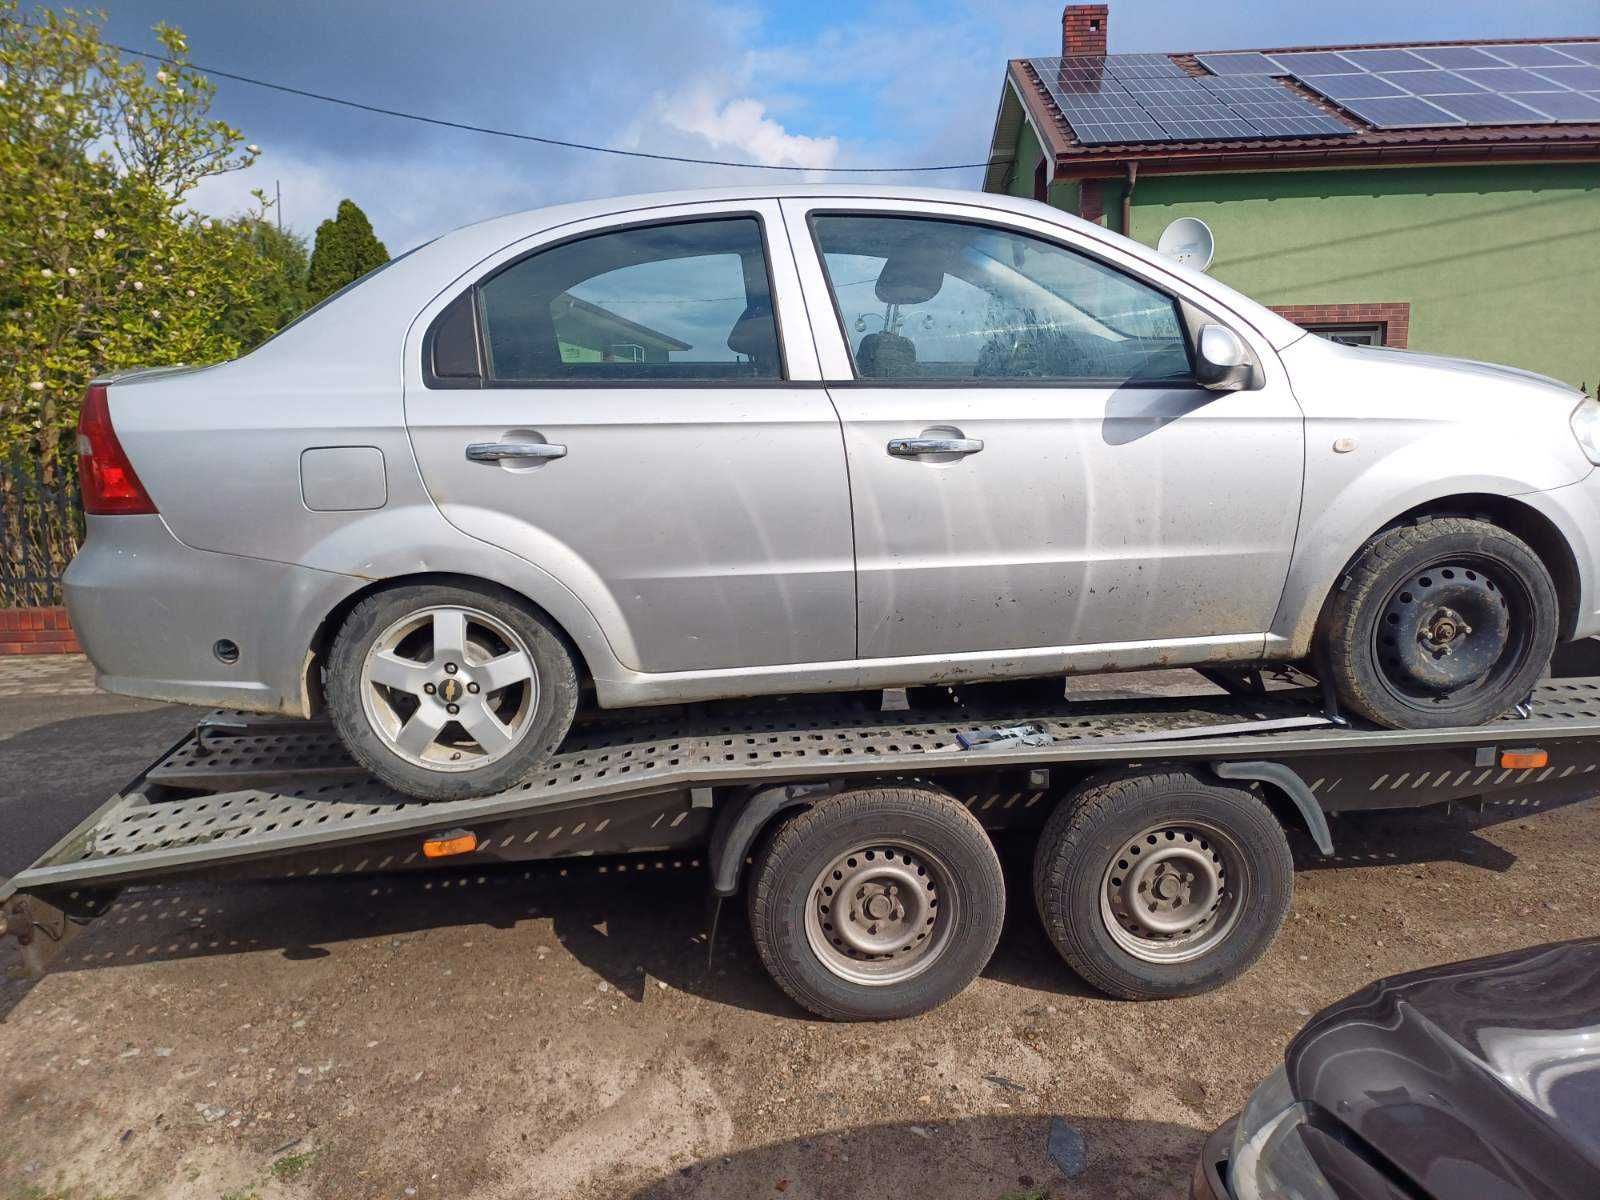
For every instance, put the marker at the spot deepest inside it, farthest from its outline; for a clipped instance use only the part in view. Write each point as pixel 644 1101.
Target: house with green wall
pixel 1441 197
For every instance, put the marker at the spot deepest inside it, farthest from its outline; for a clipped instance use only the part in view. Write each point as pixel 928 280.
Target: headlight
pixel 1269 1160
pixel 1586 427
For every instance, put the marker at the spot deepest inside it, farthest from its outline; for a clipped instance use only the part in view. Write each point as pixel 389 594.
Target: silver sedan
pixel 723 444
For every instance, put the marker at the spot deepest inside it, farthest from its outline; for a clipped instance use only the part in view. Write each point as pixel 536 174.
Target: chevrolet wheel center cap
pixel 450 690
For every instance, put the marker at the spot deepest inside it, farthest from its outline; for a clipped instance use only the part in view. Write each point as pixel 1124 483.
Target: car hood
pixel 1470 366
pixel 1480 1078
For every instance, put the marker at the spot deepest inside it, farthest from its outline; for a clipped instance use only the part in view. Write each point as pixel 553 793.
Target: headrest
pixel 909 276
pixel 752 334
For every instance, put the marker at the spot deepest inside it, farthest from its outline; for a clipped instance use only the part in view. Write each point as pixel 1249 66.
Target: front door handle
pixel 489 452
pixel 913 447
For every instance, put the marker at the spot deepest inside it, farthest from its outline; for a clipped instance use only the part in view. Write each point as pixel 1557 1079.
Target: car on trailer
pixel 725 444
pixel 862 839
pixel 1470 1080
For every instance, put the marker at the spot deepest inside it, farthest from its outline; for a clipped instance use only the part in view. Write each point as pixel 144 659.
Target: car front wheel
pixel 445 692
pixel 1448 622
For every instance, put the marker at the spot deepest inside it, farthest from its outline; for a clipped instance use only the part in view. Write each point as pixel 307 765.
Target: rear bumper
pixel 148 610
pixel 1207 1182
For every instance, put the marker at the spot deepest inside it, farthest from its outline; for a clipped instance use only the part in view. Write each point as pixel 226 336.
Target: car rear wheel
pixel 1154 884
pixel 877 903
pixel 445 692
pixel 1449 622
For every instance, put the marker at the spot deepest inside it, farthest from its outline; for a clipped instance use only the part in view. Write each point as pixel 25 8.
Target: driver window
pixel 933 299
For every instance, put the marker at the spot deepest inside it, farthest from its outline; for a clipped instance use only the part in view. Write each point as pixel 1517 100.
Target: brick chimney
pixel 1083 29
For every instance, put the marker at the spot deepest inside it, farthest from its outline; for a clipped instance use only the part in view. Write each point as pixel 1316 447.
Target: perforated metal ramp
pixel 258 791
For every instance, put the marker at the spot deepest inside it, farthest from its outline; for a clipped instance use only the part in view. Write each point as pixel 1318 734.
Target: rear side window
pixel 678 303
pixel 927 299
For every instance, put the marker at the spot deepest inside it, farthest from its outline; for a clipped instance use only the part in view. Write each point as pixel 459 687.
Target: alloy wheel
pixel 450 688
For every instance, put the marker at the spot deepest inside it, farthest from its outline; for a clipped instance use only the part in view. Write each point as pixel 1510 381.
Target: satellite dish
pixel 1188 240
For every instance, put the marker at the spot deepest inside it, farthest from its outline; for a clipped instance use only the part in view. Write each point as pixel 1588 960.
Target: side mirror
pixel 1222 360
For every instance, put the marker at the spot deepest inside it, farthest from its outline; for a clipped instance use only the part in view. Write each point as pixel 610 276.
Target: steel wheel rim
pixel 882 912
pixel 450 688
pixel 1174 891
pixel 1451 631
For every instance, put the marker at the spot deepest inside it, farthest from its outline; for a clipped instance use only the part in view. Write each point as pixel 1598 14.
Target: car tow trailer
pixel 861 837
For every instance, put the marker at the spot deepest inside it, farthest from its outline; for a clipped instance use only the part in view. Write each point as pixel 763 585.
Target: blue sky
pixel 826 83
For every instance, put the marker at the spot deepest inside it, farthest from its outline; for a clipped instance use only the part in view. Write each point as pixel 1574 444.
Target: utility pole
pixel 277 187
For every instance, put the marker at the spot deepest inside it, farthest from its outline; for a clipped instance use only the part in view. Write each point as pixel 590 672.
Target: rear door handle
pixel 912 447
pixel 489 452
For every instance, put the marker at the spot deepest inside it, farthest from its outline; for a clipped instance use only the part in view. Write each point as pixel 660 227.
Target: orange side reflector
pixel 443 845
pixel 1521 760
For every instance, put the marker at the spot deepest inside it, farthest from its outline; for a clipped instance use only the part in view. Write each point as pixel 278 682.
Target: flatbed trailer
pixel 861 837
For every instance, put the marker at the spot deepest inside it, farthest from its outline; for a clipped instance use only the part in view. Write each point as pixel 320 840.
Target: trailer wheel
pixel 1159 884
pixel 877 903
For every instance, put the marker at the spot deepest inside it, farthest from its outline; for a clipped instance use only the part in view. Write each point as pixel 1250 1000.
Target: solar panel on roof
pixel 1485 108
pixel 1432 83
pixel 1456 56
pixel 1357 85
pixel 1250 63
pixel 1563 107
pixel 1400 112
pixel 1510 79
pixel 1384 60
pixel 1314 62
pixel 1531 56
pixel 1579 79
pixel 1589 52
pixel 1423 86
pixel 1144 66
pixel 1147 98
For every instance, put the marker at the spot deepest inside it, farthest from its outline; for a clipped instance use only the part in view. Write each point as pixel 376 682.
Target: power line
pixel 531 137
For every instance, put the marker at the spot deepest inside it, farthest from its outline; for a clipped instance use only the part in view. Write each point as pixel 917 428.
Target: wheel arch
pixel 1541 534
pixel 321 643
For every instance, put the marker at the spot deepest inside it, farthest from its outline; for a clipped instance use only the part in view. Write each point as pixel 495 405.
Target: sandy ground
pixel 536 1033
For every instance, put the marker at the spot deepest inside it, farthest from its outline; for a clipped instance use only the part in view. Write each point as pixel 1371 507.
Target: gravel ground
pixel 557 1033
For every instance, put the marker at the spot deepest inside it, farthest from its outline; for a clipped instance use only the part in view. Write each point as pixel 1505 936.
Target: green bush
pixel 345 250
pixel 103 266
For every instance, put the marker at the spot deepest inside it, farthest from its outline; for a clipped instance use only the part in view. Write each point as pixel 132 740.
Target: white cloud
pixel 740 128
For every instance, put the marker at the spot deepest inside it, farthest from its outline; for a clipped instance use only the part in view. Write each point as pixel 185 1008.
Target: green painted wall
pixel 1498 263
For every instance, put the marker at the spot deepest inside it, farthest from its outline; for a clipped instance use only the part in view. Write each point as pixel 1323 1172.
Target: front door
pixel 1031 463
pixel 615 407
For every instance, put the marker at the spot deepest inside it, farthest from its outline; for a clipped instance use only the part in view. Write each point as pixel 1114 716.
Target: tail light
pixel 110 487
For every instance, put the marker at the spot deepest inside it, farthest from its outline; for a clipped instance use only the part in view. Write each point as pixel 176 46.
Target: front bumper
pixel 148 610
pixel 1209 1181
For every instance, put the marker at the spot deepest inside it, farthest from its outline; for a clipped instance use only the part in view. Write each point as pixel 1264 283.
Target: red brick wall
pixel 36 631
pixel 1083 29
pixel 1394 316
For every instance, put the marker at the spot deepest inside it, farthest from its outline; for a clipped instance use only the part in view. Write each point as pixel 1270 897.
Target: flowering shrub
pixel 102 264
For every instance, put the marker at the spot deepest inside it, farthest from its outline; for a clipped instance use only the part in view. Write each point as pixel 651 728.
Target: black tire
pixel 1090 834
pixel 924 828
pixel 1487 592
pixel 548 719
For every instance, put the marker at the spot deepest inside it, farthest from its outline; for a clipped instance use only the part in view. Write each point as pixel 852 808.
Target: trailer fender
pixel 740 824
pixel 1292 786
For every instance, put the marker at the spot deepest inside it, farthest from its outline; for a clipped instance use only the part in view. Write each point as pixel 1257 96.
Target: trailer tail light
pixel 1524 760
pixel 110 486
pixel 443 845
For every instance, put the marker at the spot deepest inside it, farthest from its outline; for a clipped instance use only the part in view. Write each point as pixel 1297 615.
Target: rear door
pixel 634 406
pixel 1031 461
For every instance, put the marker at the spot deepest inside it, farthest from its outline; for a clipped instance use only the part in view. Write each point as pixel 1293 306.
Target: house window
pixel 1351 335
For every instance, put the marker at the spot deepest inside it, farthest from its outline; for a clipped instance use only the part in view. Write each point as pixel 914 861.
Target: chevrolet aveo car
pixel 723 444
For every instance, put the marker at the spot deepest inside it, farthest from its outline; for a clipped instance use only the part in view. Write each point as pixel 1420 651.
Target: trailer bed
pixel 242 790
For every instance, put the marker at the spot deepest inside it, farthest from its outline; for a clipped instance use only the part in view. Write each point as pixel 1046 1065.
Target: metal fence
pixel 41 524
